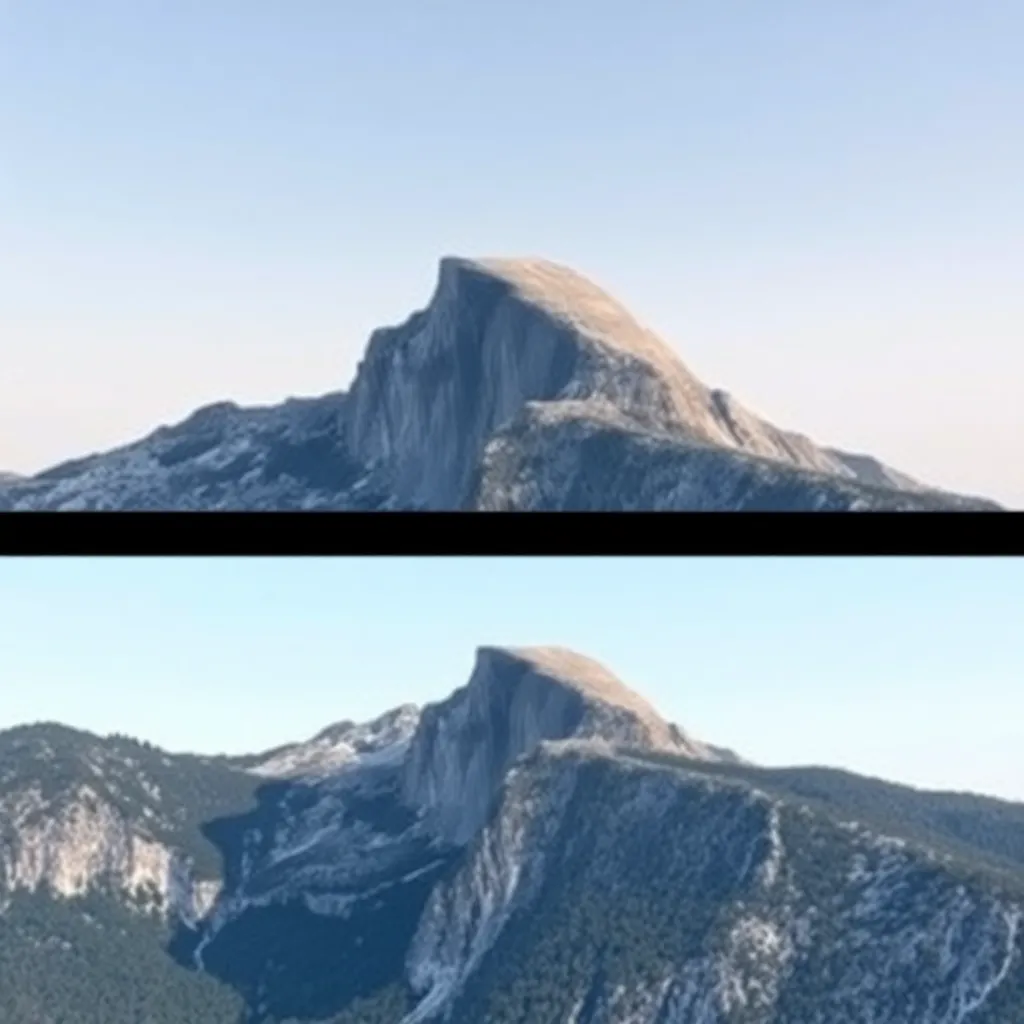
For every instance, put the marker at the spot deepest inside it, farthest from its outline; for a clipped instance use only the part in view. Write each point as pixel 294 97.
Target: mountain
pixel 614 889
pixel 541 847
pixel 102 856
pixel 522 385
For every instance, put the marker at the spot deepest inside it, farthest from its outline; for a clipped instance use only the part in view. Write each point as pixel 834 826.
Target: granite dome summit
pixel 520 385
pixel 578 672
pixel 500 333
pixel 516 699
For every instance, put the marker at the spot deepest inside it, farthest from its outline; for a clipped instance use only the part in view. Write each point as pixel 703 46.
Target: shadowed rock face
pixel 515 700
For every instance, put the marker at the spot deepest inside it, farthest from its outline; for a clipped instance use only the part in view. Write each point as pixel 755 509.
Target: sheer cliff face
pixel 428 394
pixel 88 844
pixel 501 333
pixel 515 700
pixel 79 815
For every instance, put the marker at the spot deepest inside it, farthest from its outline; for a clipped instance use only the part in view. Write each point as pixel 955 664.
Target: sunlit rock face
pixel 83 844
pixel 515 699
pixel 344 745
pixel 501 333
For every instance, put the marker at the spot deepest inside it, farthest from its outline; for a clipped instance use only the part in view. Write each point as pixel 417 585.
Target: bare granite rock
pixel 516 699
pixel 500 333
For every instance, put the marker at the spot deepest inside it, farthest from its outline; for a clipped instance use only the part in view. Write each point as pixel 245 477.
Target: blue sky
pixel 908 669
pixel 818 204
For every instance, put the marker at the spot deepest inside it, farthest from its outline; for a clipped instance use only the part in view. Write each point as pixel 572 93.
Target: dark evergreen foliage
pixel 93 961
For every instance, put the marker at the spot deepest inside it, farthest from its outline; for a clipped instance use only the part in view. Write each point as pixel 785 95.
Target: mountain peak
pixel 584 675
pixel 501 335
pixel 569 296
pixel 496 335
pixel 515 699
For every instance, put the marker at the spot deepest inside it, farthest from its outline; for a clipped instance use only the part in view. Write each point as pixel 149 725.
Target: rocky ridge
pixel 566 456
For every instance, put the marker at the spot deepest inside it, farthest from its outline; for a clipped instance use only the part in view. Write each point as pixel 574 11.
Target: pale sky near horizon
pixel 818 204
pixel 908 669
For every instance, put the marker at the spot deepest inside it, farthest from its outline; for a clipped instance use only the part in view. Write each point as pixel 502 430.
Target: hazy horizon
pixel 903 669
pixel 818 206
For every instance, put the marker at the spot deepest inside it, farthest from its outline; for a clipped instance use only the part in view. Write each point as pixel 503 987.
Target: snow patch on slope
pixel 383 741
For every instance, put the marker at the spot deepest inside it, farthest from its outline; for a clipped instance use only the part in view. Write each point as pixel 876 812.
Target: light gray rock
pixel 500 333
pixel 869 470
pixel 515 699
pixel 86 843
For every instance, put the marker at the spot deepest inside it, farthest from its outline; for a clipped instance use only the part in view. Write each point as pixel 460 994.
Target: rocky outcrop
pixel 87 845
pixel 577 456
pixel 503 871
pixel 870 471
pixel 291 456
pixel 515 699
